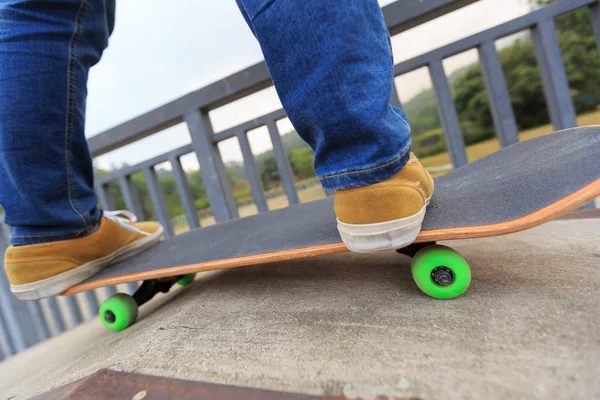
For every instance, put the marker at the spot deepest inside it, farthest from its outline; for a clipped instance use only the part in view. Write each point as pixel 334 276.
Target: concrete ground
pixel 529 327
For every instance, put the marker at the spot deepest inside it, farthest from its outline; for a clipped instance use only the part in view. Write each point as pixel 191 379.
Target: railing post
pixel 283 165
pixel 158 200
pixel 55 314
pixel 103 196
pixel 22 329
pixel 448 114
pixel 91 301
pixel 132 287
pixel 131 196
pixel 258 191
pixel 498 97
pixel 554 77
pixel 35 309
pixel 6 345
pixel 10 314
pixel 212 168
pixel 74 312
pixel 183 188
pixel 595 14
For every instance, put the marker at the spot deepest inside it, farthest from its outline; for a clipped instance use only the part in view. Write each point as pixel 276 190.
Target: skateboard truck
pixel 121 310
pixel 143 294
pixel 151 288
pixel 412 249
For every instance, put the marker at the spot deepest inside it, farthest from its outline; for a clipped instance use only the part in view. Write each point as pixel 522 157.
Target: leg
pixel 332 66
pixel 46 174
pixel 60 236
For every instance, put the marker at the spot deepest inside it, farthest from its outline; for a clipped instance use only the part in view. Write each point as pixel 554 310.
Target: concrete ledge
pixel 356 325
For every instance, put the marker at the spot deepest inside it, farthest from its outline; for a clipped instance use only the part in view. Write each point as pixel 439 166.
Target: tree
pixel 301 161
pixel 198 190
pixel 582 62
pixel 269 173
pixel 580 56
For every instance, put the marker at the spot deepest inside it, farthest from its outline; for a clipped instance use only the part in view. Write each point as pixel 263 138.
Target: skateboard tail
pixel 569 203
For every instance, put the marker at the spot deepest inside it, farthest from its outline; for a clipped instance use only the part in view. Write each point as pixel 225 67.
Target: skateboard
pixel 515 188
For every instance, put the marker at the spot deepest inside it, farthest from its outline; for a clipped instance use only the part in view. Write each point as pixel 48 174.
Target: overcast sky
pixel 159 52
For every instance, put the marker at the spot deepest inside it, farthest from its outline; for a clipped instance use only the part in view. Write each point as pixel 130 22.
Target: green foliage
pixel 582 62
pixel 167 183
pixel 198 190
pixel 429 143
pixel 236 172
pixel 239 184
pixel 268 168
pixel 301 161
pixel 525 89
pixel 292 140
pixel 269 173
pixel 580 55
pixel 422 110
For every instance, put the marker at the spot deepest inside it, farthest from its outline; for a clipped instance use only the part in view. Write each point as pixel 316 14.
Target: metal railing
pixel 23 324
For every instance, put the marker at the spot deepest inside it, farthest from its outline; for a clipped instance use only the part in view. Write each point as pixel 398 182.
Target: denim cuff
pixel 23 236
pixel 364 177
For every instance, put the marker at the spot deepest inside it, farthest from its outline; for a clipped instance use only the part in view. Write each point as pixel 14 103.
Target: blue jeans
pixel 331 65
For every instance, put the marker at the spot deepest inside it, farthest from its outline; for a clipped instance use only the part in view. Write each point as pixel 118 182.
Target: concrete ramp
pixel 356 325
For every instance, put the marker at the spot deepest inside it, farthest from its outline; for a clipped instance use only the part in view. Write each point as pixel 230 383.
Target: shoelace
pixel 124 218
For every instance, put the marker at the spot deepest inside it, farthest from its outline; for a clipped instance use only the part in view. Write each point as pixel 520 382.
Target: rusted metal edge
pixel 109 384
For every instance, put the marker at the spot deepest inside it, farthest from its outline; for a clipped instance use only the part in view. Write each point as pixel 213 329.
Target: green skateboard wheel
pixel 441 272
pixel 118 312
pixel 186 279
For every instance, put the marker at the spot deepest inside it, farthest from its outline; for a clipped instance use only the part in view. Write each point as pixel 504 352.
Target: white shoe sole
pixel 389 235
pixel 59 283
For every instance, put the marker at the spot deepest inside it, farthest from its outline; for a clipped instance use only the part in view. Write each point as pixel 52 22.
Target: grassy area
pixel 482 149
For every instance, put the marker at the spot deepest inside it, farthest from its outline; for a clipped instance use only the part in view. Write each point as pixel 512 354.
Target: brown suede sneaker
pixel 46 269
pixel 385 215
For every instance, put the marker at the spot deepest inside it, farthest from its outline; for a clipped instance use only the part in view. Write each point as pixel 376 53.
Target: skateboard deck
pixel 515 188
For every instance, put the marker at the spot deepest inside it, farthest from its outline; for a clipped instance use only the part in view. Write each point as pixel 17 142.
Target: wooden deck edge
pixel 553 211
